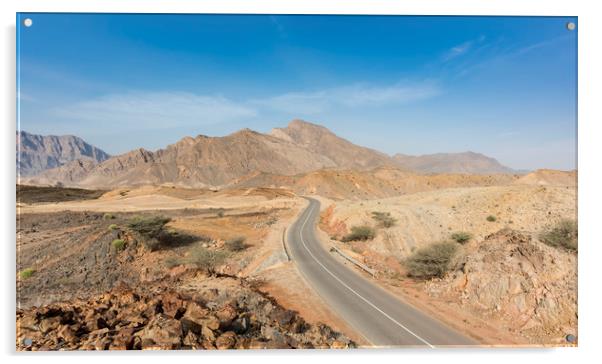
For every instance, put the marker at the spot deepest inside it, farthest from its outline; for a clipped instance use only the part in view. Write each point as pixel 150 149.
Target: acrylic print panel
pixel 273 181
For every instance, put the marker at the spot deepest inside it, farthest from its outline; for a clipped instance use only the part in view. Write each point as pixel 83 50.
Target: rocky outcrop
pixel 528 285
pixel 234 317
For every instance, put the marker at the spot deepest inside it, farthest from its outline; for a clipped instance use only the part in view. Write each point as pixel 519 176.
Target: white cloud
pixel 456 51
pixel 463 48
pixel 156 110
pixel 357 95
pixel 163 110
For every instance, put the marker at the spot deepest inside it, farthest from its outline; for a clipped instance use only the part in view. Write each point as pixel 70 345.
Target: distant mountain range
pixel 203 161
pixel 37 153
pixel 467 162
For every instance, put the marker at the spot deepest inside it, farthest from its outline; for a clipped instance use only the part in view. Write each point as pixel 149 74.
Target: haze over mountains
pixel 36 153
pixel 202 161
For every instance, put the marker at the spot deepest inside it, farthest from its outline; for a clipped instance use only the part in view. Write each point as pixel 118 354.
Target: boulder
pixel 163 331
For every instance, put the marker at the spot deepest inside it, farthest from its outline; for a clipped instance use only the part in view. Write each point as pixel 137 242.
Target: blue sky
pixel 502 86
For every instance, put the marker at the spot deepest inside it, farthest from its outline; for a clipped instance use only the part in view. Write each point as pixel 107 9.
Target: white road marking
pixel 351 289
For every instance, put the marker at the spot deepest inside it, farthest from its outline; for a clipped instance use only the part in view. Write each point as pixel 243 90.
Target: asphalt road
pixel 381 318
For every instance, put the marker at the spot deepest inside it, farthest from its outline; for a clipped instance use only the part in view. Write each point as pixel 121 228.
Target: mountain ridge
pixel 203 161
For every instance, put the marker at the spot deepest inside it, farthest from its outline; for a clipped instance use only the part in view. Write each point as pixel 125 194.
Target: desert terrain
pixel 505 279
pixel 186 247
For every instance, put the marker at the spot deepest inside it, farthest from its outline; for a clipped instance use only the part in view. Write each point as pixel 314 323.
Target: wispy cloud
pixel 462 49
pixel 156 109
pixel 350 96
pixel 456 51
pixel 503 54
pixel 164 110
pixel 531 47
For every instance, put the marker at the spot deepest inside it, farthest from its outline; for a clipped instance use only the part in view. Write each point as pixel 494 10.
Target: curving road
pixel 380 317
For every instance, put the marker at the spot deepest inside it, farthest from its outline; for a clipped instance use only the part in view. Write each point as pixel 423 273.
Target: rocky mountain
pixel 298 149
pixel 37 153
pixel 343 153
pixel 467 162
pixel 197 162
pixel 214 161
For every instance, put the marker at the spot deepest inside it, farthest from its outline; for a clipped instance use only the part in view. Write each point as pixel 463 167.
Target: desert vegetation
pixel 26 273
pixel 384 219
pixel 236 244
pixel 118 244
pixel 201 257
pixel 151 230
pixel 562 235
pixel 360 233
pixel 461 237
pixel 432 261
pixel 491 218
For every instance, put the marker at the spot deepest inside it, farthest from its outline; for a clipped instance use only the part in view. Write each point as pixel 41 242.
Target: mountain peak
pixel 302 124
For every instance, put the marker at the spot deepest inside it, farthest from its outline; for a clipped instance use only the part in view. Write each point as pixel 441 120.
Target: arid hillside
pixel 344 184
pixel 503 273
pixel 549 177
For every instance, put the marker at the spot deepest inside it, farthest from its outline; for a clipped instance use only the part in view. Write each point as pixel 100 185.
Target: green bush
pixel 26 273
pixel 237 244
pixel 108 216
pixel 360 233
pixel 432 261
pixel 563 235
pixel 491 218
pixel 461 237
pixel 118 244
pixel 384 218
pixel 112 227
pixel 150 227
pixel 205 258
